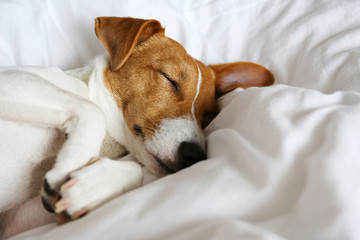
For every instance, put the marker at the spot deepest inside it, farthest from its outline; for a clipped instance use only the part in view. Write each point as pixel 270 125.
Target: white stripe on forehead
pixel 197 90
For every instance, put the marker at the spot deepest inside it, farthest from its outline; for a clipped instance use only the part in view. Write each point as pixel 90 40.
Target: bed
pixel 284 161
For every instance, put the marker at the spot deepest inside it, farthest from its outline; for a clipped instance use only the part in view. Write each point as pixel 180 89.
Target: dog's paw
pixel 95 184
pixel 50 192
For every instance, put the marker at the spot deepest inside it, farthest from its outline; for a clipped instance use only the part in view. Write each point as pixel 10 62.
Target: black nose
pixel 190 153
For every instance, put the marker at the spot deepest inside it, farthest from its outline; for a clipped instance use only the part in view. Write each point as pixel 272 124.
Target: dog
pixel 143 103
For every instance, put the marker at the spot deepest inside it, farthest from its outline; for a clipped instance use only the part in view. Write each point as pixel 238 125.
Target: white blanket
pixel 284 161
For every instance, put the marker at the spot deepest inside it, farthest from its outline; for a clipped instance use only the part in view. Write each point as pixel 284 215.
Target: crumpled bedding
pixel 283 160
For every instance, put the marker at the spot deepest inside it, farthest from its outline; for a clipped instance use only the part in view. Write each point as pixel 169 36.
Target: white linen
pixel 283 161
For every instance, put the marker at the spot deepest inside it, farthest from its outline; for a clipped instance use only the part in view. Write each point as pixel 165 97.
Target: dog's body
pixel 148 98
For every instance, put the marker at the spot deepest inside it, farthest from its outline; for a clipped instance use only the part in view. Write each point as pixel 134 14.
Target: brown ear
pixel 120 36
pixel 240 74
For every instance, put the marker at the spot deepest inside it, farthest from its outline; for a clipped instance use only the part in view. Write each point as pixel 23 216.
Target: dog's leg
pixel 99 182
pixel 23 217
pixel 27 98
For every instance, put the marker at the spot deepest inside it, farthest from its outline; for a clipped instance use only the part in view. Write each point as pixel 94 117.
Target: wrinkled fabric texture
pixel 283 161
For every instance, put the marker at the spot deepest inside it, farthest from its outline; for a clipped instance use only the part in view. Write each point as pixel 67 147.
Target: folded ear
pixel 240 74
pixel 120 36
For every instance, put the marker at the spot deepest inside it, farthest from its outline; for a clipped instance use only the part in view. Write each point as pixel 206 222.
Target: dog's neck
pixel 84 73
pixel 93 76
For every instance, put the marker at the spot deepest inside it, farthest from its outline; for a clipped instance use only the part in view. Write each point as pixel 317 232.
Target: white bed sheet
pixel 283 161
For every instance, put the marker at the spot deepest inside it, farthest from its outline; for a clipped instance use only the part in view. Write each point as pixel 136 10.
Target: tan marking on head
pixel 147 96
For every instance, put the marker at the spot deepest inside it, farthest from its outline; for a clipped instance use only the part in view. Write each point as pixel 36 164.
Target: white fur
pixel 197 90
pixel 100 182
pixel 30 99
pixel 101 96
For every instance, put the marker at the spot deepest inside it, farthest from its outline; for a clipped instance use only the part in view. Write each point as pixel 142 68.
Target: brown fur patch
pixel 146 96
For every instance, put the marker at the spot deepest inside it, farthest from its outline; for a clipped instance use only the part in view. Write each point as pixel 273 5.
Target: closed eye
pixel 174 84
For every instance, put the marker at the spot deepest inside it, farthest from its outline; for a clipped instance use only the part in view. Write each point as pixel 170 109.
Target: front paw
pixel 50 192
pixel 94 185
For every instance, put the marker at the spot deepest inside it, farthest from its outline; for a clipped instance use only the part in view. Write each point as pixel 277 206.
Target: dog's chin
pixel 148 159
pixel 156 166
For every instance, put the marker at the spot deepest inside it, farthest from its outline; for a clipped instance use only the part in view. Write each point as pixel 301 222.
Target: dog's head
pixel 166 96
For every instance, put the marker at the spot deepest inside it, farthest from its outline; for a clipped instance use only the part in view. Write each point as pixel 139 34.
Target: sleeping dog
pixel 60 130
